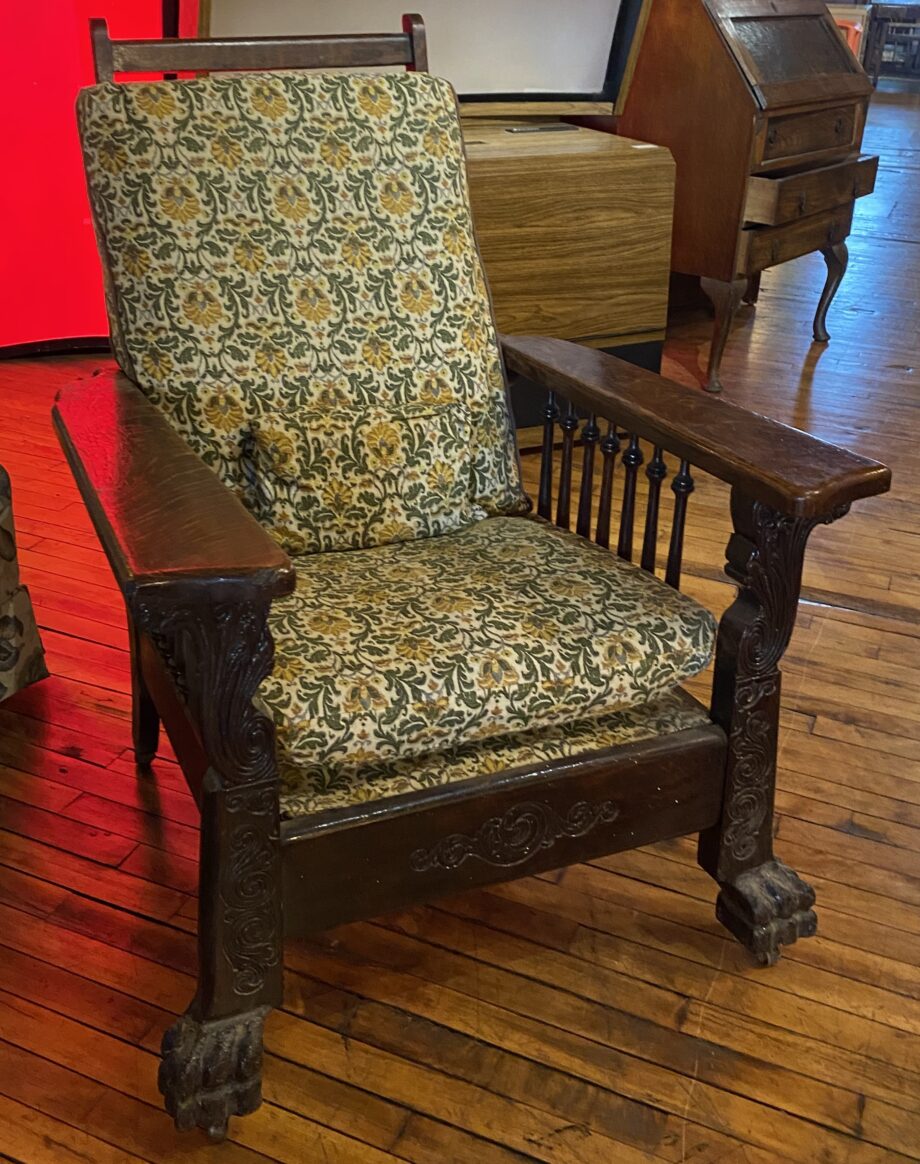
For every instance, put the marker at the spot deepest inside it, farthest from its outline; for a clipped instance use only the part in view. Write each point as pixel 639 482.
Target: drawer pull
pixel 839 126
pixel 773 136
pixel 803 203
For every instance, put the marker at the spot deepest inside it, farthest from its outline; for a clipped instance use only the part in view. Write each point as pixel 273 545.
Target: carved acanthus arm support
pixel 198 575
pixel 761 901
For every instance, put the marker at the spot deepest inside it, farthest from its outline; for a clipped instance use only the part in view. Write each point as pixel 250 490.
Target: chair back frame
pixel 171 55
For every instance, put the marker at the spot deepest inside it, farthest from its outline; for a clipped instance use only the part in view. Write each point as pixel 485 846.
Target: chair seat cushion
pixel 506 626
pixel 318 787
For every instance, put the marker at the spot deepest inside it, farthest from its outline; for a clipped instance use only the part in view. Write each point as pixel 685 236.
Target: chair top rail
pixel 358 50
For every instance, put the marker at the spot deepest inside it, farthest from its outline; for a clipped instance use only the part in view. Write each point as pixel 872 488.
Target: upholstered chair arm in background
pixel 783 483
pixel 198 574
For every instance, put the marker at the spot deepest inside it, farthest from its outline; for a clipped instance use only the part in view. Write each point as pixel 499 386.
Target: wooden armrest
pixel 791 471
pixel 160 512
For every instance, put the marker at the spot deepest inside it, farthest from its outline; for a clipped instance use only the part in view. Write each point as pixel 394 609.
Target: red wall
pixel 50 286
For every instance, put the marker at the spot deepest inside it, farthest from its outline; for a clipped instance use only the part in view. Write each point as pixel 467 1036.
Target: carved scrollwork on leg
pixel 214 641
pixel 752 746
pixel 513 838
pixel 218 652
pixel 765 557
pixel 249 891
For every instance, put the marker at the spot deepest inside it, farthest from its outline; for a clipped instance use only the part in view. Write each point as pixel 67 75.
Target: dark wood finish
pixel 531 819
pixel 769 246
pixel 836 257
pixel 789 55
pixel 756 89
pixel 545 496
pixel 160 513
pixel 789 137
pixel 793 472
pixel 725 298
pixel 306 52
pixel 145 719
pixel 682 486
pixel 631 460
pixel 414 27
pixel 568 424
pixel 656 471
pixel 610 447
pixel 765 557
pixel 784 199
pixel 204 620
pixel 590 435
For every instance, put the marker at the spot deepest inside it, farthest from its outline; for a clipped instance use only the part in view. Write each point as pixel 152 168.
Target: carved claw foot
pixel 212 1070
pixel 767 907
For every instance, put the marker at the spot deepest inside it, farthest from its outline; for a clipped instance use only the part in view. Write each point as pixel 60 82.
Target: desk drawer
pixel 786 199
pixel 766 246
pixel 797 134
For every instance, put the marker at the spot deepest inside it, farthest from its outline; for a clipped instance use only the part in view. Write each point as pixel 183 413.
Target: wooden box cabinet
pixel 762 105
pixel 574 228
pixel 575 232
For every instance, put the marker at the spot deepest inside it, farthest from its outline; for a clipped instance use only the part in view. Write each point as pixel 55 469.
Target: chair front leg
pixel 763 902
pixel 219 650
pixel 145 719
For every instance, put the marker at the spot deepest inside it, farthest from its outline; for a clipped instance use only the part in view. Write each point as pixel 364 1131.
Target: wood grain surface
pixel 597 1016
pixel 574 228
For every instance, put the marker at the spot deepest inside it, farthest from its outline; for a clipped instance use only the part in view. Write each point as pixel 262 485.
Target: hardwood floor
pixel 597 1015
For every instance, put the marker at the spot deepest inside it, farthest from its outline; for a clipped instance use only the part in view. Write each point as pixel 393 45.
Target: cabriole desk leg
pixel 836 258
pixel 726 298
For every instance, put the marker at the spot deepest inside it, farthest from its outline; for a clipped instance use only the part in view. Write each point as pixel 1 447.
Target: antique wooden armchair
pixel 370 715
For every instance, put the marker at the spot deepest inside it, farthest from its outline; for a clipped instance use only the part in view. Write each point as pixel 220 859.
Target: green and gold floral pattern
pixel 507 626
pixel 294 242
pixel 342 479
pixel 316 788
pixel 22 658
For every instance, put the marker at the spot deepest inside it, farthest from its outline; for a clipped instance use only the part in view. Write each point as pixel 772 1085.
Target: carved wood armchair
pixel 384 679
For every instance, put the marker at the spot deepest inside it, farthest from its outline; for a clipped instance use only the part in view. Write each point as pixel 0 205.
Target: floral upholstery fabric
pixel 22 659
pixel 507 626
pixel 315 789
pixel 297 243
pixel 347 480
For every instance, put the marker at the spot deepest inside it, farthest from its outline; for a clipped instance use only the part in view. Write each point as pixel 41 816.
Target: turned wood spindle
pixel 590 435
pixel 632 459
pixel 569 425
pixel 682 486
pixel 656 471
pixel 610 446
pixel 545 496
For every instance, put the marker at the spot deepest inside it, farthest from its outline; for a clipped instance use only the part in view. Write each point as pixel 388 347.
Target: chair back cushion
pixel 298 244
pixel 354 479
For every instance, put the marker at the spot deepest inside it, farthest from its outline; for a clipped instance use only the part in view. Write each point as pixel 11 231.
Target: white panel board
pixel 480 46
